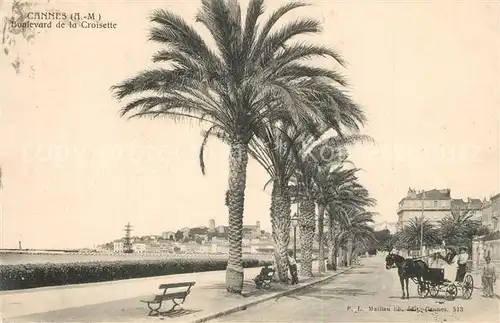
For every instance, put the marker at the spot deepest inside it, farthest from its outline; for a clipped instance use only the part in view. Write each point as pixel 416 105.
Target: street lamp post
pixel 422 228
pixel 295 222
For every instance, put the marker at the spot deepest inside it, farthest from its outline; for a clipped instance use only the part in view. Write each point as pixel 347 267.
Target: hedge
pixel 23 276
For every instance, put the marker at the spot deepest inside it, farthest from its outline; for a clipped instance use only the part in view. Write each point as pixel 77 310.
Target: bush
pixel 23 276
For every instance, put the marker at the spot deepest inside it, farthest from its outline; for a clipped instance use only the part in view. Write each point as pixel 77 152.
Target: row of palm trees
pixel 457 229
pixel 256 93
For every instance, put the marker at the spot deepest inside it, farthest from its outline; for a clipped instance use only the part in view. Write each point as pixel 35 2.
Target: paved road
pixel 361 296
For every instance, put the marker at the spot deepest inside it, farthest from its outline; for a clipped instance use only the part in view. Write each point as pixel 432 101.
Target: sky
pixel 75 172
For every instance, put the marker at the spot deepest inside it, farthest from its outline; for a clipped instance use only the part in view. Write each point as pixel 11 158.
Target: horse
pixel 407 268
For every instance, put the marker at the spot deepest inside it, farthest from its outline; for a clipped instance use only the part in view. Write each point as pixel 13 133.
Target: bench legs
pixel 263 284
pixel 156 311
pixel 176 304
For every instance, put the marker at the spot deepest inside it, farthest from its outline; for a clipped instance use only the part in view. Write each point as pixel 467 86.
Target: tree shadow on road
pixel 249 289
pixel 360 273
pixel 437 298
pixel 334 293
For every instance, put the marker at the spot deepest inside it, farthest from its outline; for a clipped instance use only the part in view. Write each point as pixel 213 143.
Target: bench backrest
pixel 170 296
pixel 176 285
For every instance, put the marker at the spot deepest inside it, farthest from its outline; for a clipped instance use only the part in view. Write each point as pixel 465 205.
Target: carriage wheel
pixel 467 286
pixel 451 292
pixel 434 290
pixel 425 292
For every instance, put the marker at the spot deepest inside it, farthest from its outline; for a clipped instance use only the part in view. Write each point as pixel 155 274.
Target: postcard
pixel 249 161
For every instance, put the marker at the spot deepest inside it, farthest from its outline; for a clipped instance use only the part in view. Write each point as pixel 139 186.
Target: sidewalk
pixel 48 299
pixel 120 301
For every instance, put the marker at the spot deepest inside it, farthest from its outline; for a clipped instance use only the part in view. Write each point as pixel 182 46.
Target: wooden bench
pixel 264 282
pixel 177 298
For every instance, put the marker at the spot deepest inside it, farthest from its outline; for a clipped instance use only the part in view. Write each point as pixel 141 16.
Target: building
pixel 118 246
pixel 168 235
pixel 473 205
pixel 221 229
pixel 433 205
pixel 185 232
pixel 490 211
pixel 219 241
pixel 211 225
pixel 254 228
pixel 252 231
pixel 139 247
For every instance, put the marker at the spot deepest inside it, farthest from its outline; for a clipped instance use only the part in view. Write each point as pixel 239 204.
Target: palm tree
pixel 384 240
pixel 356 229
pixel 458 227
pixel 347 194
pixel 329 178
pixel 410 236
pixel 312 165
pixel 348 223
pixel 305 197
pixel 249 81
pixel 273 150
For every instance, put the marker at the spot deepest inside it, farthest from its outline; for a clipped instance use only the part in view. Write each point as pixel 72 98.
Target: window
pixel 435 203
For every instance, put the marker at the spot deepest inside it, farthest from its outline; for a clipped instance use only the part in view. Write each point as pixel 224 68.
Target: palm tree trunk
pixel 307 227
pixel 321 214
pixel 335 256
pixel 280 220
pixel 331 256
pixel 349 251
pixel 331 264
pixel 342 258
pixel 235 200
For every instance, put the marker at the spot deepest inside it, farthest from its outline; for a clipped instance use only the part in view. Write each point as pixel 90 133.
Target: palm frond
pixel 270 23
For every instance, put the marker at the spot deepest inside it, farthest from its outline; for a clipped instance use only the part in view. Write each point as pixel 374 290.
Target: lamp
pixel 295 223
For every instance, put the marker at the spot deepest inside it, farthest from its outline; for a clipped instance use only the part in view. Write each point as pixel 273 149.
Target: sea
pixel 25 258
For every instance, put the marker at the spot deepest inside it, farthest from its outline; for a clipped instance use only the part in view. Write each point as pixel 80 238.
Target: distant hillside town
pixel 211 239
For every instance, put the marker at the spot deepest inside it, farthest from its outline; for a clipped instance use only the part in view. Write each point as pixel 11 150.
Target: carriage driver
pixel 462 259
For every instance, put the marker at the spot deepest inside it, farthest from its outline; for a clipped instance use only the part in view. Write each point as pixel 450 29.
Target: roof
pixel 471 203
pixel 433 194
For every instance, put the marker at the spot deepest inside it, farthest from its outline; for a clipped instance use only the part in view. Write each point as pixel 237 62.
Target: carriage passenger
pixel 462 259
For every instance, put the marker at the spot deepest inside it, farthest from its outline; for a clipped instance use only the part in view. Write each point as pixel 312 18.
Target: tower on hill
pixel 127 245
pixel 211 225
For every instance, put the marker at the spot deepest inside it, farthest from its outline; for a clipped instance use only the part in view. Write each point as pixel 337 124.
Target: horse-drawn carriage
pixel 435 282
pixel 430 281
